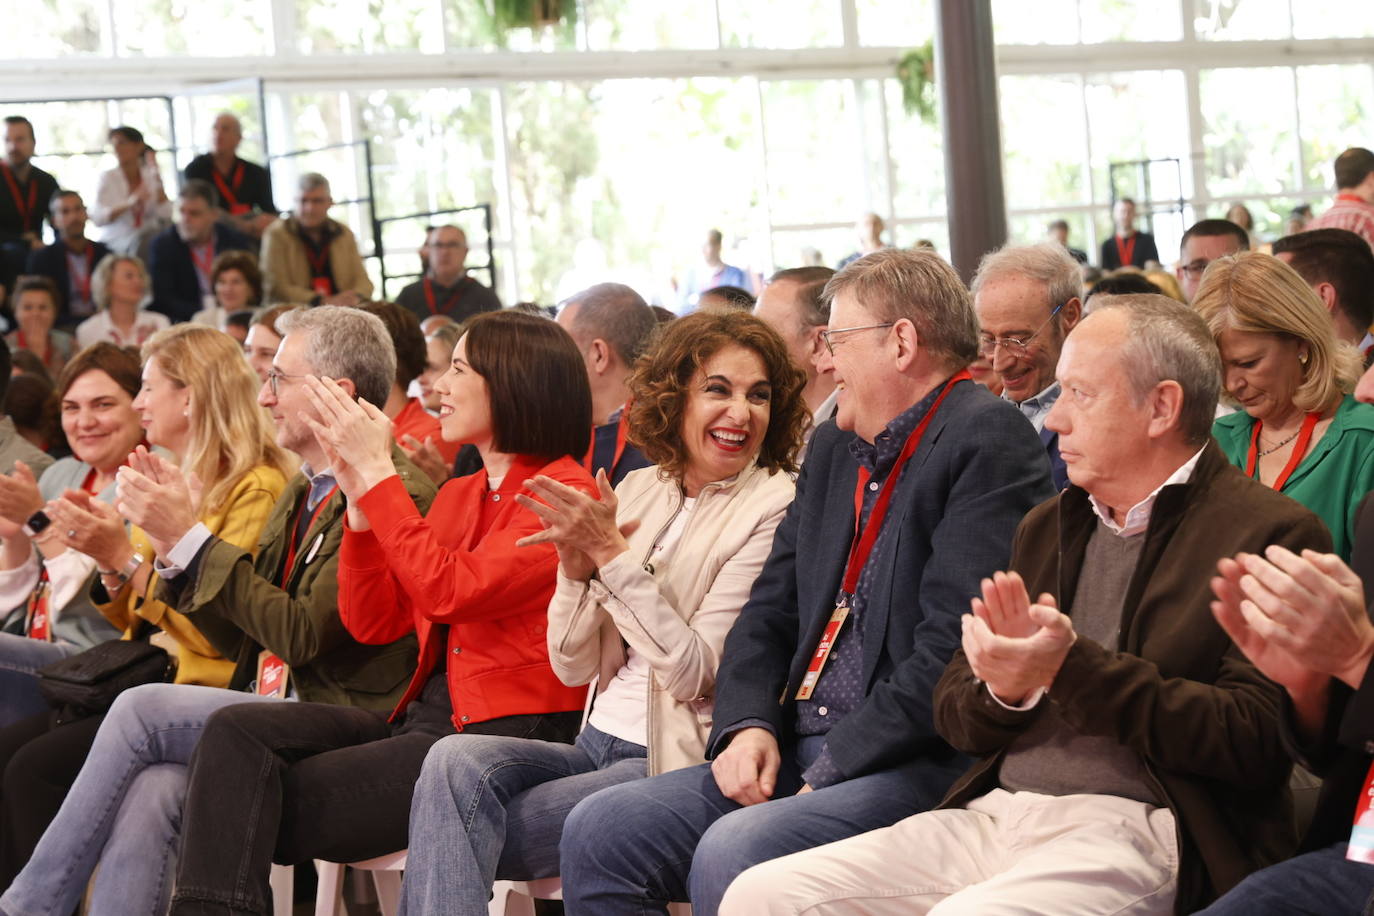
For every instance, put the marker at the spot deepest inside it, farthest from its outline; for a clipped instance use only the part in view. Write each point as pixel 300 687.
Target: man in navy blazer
pixel 180 256
pixel 1027 301
pixel 800 759
pixel 70 261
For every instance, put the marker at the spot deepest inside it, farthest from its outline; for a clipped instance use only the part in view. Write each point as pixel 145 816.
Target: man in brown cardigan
pixel 1130 756
pixel 310 259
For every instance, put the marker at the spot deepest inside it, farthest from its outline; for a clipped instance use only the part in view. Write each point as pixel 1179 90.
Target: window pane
pixel 1043 167
pixel 470 25
pixel 1118 132
pixel 1249 133
pixel 622 25
pixel 432 150
pixel 803 147
pixel 1047 22
pixel 204 28
pixel 1242 20
pixel 1335 107
pixel 368 26
pixel 813 247
pixel 1331 19
pixel 785 24
pixel 918 159
pixel 55 28
pixel 885 24
pixel 1130 20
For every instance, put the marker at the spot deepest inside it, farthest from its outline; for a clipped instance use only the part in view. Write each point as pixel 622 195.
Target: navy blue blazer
pixel 51 262
pixel 979 469
pixel 176 290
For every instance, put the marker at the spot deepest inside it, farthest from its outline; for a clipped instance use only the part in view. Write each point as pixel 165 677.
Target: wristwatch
pixel 37 524
pixel 126 572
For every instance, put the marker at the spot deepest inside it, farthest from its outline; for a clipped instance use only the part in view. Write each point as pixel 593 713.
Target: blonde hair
pixel 1257 292
pixel 1166 283
pixel 230 433
pixel 100 278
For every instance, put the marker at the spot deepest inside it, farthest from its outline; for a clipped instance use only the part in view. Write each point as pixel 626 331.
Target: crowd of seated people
pixel 877 592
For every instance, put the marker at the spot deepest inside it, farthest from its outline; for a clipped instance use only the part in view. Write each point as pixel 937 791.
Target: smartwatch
pixel 37 524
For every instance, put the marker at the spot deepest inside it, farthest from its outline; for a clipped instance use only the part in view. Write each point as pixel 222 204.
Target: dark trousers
pixel 292 782
pixel 1320 883
pixel 39 764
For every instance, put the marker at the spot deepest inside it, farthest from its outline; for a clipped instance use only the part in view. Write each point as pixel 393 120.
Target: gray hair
pixel 200 189
pixel 1167 340
pixel 920 286
pixel 100 278
pixel 310 181
pixel 1047 263
pixel 616 314
pixel 346 343
pixel 810 293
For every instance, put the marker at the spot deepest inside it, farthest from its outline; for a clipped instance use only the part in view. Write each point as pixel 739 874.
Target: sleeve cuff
pixel 724 737
pixel 1025 705
pixel 183 555
pixel 823 771
pixel 385 505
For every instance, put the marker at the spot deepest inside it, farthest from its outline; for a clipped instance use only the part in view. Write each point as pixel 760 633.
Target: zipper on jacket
pixel 649 552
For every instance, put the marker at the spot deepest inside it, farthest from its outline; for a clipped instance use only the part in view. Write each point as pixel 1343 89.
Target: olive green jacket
pixel 241 605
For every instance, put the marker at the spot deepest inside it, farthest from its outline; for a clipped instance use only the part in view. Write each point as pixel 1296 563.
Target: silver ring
pixel 71 532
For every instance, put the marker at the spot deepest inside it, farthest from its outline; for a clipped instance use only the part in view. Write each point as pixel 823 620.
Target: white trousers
pixel 1006 853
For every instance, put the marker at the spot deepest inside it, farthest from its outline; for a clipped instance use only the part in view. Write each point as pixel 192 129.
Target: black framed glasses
pixel 274 378
pixel 1014 347
pixel 828 336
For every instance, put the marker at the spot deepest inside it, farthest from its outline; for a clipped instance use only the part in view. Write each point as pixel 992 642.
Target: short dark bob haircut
pixel 541 402
pixel 664 373
pixel 119 363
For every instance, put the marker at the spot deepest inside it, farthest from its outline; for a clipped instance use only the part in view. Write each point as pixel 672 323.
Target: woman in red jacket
pixel 295 781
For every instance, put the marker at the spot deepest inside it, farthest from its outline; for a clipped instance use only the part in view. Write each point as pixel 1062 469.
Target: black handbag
pixel 87 683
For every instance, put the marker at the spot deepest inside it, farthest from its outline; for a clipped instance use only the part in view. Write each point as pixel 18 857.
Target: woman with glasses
pixel 1299 429
pixel 651 578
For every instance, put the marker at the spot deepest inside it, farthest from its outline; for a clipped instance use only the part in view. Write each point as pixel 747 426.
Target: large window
pixel 608 144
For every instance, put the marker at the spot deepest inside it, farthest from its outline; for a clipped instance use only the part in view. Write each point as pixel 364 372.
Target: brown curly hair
pixel 662 375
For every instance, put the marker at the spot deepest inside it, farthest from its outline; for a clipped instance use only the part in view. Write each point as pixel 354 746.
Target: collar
pixel 879 457
pixel 1138 518
pixel 826 409
pixel 319 484
pixel 1036 407
pixel 452 286
pixel 615 415
pixel 330 230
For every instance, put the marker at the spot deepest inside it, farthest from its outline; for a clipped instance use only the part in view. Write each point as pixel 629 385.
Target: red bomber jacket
pixel 459 566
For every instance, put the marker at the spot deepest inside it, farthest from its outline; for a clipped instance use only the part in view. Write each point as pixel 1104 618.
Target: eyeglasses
pixel 1015 348
pixel 445 246
pixel 828 336
pixel 274 378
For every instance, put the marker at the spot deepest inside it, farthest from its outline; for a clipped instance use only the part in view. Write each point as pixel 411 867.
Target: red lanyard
pixel 1350 198
pixel 83 280
pixel 297 533
pixel 25 209
pixel 863 543
pixel 1299 450
pixel 1126 250
pixel 622 428
pixel 24 345
pixel 204 258
pixel 449 303
pixel 318 259
pixel 229 190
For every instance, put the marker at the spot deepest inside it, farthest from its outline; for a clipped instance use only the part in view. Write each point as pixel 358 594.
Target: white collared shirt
pixel 1038 407
pixel 1138 518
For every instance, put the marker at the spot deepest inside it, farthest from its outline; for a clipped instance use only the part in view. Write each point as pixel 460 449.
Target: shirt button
pixel 823 710
pixel 457 651
pixel 873 486
pixel 463 718
pixel 496 497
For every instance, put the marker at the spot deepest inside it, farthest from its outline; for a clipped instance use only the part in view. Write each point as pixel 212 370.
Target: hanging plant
pixel 532 14
pixel 916 73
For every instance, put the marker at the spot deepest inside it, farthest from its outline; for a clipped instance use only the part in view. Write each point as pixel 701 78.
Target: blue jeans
pixel 488 807
pixel 1321 883
pixel 124 810
pixel 20 659
pixel 632 848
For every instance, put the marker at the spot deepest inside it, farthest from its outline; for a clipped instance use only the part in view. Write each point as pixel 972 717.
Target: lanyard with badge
pixel 862 545
pixel 273 673
pixel 229 191
pixel 24 208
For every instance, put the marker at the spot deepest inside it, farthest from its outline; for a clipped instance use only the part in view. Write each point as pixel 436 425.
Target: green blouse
pixel 1335 474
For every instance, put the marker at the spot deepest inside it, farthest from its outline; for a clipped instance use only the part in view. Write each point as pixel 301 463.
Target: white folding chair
pixel 283 881
pixel 386 877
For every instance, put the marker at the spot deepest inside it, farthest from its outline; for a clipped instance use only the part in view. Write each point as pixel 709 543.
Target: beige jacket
pixel 678 614
pixel 286 272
